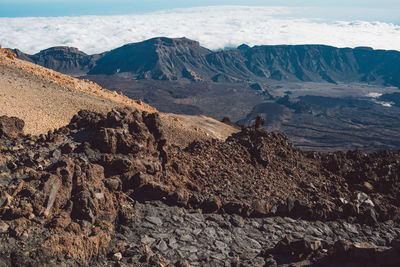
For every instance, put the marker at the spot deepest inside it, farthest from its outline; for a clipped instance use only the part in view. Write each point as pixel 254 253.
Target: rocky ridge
pixel 67 60
pixel 183 59
pixel 111 189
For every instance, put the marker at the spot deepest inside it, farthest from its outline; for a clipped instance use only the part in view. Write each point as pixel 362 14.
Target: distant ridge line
pixel 165 58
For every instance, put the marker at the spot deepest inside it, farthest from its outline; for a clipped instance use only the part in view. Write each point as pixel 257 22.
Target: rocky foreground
pixel 110 190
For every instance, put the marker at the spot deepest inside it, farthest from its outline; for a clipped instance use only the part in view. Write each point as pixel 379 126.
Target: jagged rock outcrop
pixel 69 194
pixel 67 181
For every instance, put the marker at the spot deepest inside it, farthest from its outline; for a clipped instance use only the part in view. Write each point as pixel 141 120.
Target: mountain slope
pixel 67 60
pixel 158 58
pixel 309 63
pixel 330 106
pixel 42 97
pixel 184 59
pixel 47 100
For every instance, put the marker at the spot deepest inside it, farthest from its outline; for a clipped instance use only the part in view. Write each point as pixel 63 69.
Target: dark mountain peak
pixel 296 47
pixel 365 48
pixel 243 47
pixel 165 41
pixel 158 58
pixel 22 55
pixel 61 50
pixel 52 51
pixel 65 59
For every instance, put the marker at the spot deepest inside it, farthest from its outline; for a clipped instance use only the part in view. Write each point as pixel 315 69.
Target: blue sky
pixel 369 10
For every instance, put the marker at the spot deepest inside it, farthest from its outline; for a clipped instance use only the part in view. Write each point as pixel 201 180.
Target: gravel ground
pixel 42 104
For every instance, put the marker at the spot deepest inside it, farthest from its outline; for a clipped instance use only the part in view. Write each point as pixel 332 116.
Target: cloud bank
pixel 214 27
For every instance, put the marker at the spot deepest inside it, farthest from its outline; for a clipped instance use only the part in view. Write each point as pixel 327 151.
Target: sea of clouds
pixel 214 27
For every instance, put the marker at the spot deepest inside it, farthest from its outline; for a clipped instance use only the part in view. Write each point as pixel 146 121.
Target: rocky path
pixel 227 240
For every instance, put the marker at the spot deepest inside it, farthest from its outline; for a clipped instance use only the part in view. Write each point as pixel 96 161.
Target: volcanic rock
pixel 11 126
pixel 75 191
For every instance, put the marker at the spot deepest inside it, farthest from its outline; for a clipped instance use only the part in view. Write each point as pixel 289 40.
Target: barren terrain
pixel 111 189
pixel 339 98
pixel 134 186
pixel 47 100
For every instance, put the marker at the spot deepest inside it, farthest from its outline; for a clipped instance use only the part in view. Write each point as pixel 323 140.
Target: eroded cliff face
pixel 67 60
pixel 158 59
pixel 69 195
pixel 183 59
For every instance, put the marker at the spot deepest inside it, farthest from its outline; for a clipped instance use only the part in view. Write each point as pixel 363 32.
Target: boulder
pixel 295 249
pixel 11 127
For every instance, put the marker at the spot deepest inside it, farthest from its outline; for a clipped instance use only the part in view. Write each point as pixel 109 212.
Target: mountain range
pixel 324 98
pixel 90 177
pixel 184 59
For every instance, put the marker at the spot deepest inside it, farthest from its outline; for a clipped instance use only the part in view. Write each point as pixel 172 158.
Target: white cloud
pixel 214 27
pixel 374 95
